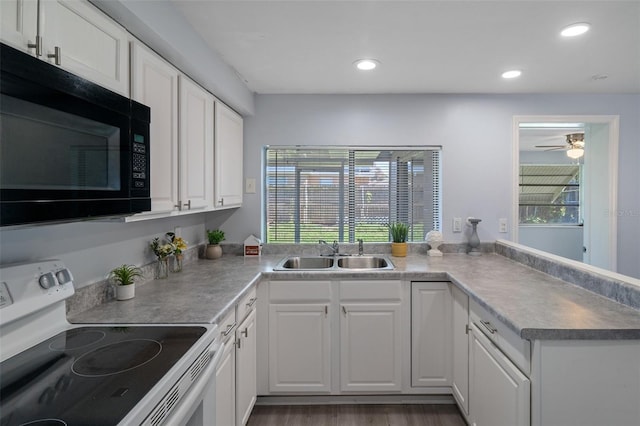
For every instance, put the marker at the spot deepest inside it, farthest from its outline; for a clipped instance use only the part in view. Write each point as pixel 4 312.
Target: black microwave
pixel 69 149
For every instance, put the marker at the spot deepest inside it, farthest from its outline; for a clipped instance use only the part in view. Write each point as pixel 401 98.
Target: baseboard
pixel 354 399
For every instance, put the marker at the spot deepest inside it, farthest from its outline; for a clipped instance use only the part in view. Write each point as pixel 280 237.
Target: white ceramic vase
pixel 214 251
pixel 125 292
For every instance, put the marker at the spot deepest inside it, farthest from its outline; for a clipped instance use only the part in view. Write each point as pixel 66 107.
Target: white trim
pixel 614 134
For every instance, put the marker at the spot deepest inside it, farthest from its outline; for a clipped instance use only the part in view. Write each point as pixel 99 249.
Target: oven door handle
pixel 190 402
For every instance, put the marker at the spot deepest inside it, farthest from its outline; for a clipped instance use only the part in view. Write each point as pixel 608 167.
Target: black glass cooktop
pixel 89 375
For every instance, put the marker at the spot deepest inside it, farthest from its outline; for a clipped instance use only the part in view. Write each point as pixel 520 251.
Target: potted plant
pixel 124 277
pixel 214 251
pixel 399 232
pixel 180 246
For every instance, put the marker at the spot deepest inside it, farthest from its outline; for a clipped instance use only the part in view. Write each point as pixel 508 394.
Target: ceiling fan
pixel 574 145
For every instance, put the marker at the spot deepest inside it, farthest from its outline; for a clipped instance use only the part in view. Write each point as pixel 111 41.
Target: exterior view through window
pixel 550 194
pixel 345 194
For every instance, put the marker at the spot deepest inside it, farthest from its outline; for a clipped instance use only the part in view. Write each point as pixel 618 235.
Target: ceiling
pixel 306 46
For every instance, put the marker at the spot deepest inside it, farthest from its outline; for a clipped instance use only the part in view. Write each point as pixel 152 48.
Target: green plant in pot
pixel 214 251
pixel 399 232
pixel 124 277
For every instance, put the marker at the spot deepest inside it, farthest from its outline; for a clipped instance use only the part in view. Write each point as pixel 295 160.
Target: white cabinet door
pixel 19 23
pixel 154 82
pixel 226 386
pixel 460 333
pixel 500 393
pixel 431 344
pixel 299 348
pixel 370 350
pixel 91 44
pixel 246 388
pixel 196 145
pixel 228 157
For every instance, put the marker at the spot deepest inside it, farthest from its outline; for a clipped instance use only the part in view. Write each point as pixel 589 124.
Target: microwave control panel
pixel 139 162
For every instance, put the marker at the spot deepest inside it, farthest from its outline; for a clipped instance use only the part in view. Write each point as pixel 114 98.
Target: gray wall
pixel 475 132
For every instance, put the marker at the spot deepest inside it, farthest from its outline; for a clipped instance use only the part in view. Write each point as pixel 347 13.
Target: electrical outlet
pixel 250 186
pixel 177 231
pixel 502 225
pixel 457 224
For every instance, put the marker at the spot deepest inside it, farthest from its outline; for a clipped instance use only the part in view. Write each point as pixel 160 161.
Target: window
pixel 344 194
pixel 550 194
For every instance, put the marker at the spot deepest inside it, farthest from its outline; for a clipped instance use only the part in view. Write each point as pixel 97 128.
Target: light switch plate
pixel 502 225
pixel 250 186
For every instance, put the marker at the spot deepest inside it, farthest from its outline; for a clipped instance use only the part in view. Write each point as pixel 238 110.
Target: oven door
pixel 197 408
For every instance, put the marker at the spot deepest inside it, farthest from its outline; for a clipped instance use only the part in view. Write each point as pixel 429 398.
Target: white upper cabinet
pixel 72 34
pixel 19 19
pixel 228 157
pixel 154 82
pixel 196 145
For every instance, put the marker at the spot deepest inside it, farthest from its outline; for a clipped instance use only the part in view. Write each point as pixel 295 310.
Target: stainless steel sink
pixel 364 262
pixel 305 263
pixel 321 263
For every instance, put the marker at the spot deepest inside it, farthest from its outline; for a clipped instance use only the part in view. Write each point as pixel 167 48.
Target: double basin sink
pixel 320 263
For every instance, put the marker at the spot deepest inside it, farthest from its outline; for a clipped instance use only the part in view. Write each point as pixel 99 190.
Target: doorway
pixel 580 227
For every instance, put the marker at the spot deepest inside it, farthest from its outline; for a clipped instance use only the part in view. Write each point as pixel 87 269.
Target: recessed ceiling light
pixel 575 29
pixel 511 74
pixel 366 64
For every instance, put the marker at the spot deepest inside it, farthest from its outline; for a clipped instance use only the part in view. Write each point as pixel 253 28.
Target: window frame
pixel 348 188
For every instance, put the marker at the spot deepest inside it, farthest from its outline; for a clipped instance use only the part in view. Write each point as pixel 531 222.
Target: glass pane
pixel 44 148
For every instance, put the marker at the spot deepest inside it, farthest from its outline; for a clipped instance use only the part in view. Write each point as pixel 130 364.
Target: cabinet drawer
pixel 246 305
pixel 228 325
pixel 513 346
pixel 299 291
pixel 371 290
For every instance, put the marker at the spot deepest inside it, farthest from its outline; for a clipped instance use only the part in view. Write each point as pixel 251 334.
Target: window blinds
pixel 343 194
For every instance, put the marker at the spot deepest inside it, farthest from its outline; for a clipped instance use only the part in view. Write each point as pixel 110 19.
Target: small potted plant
pixel 162 252
pixel 214 251
pixel 399 232
pixel 124 277
pixel 180 246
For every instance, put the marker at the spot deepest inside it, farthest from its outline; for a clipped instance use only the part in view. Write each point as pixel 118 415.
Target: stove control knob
pixel 47 280
pixel 63 276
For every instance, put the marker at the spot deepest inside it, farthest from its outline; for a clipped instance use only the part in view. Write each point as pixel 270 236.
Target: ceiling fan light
pixel 575 153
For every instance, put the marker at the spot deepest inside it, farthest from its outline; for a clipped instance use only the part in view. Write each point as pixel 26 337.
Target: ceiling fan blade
pixel 551 146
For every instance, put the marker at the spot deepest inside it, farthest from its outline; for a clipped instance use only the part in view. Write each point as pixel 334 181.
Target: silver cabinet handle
pixel 188 205
pixel 237 343
pixel 221 201
pixel 344 310
pixel 245 332
pixel 37 45
pixel 229 329
pixel 252 302
pixel 57 55
pixel 488 326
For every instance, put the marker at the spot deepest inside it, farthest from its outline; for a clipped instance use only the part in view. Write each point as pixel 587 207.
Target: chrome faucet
pixel 335 248
pixel 360 247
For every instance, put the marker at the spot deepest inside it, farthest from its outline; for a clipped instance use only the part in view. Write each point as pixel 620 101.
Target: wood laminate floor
pixel 356 415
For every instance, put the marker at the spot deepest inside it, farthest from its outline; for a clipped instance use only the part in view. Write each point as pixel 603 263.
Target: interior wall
pixel 475 132
pixel 563 241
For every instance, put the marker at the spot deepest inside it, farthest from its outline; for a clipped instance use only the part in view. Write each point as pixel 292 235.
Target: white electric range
pixel 56 373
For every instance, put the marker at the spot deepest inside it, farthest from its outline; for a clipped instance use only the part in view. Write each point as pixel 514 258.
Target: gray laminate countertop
pixel 535 305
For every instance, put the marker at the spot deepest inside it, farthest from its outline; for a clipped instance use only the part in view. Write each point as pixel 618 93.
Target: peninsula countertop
pixel 535 305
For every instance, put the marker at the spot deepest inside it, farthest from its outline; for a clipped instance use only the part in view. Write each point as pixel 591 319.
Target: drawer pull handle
pixel 488 326
pixel 252 301
pixel 229 329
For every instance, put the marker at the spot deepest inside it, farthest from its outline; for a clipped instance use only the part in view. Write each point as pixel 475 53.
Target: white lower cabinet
pixel 299 348
pixel 500 393
pixel 370 350
pixel 460 338
pixel 246 387
pixel 226 387
pixel 431 320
